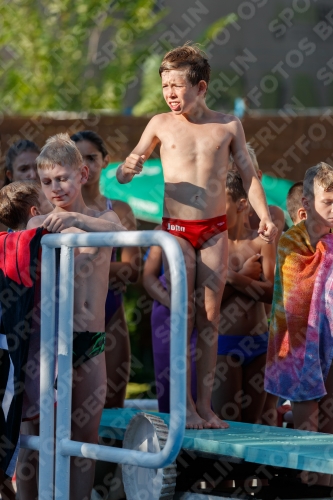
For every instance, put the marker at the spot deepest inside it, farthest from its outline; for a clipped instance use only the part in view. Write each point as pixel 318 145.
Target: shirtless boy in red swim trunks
pixel 195 146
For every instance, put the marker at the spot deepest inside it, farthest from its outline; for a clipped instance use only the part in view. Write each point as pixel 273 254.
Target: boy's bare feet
pixel 193 419
pixel 211 420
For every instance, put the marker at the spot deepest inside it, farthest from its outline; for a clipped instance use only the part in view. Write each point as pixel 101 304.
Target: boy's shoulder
pixel 125 213
pixel 104 214
pixel 37 221
pixel 276 212
pixel 108 215
pixel 160 118
pixel 158 123
pixel 255 240
pixel 250 237
pixel 225 118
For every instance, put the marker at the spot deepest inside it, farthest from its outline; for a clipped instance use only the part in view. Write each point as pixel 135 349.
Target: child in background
pixel 19 202
pixel 269 416
pixel 117 347
pixel 21 161
pixel 243 329
pixel 62 173
pixel 154 281
pixel 300 349
pixel 294 203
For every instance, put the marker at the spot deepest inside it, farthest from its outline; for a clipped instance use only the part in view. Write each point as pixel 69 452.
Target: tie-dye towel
pixel 300 348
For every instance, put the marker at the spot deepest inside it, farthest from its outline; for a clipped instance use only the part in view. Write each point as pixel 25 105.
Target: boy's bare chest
pixel 94 261
pixel 195 140
pixel 240 252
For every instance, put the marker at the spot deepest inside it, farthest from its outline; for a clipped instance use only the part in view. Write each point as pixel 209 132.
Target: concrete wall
pixel 286 145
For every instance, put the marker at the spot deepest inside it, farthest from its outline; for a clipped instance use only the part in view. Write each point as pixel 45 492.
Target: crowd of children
pixel 238 364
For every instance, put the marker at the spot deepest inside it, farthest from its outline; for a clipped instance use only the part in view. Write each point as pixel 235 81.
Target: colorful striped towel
pixel 300 348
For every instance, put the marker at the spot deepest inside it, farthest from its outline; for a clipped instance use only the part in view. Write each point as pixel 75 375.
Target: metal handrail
pixel 65 447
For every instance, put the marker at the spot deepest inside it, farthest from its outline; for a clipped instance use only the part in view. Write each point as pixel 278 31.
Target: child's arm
pixel 56 222
pixel 268 253
pixel 151 273
pixel 128 269
pixel 134 162
pixel 267 230
pixel 259 290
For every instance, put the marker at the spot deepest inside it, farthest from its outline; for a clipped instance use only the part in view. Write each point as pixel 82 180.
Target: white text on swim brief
pixel 175 227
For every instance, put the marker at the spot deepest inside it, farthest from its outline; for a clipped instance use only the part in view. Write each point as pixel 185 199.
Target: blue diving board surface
pixel 275 446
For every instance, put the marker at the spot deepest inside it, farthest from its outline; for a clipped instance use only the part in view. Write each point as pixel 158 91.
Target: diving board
pixel 273 446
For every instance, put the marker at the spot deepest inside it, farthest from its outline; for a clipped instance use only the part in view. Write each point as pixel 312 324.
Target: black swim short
pixel 87 345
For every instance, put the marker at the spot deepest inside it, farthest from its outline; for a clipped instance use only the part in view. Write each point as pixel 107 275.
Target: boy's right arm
pixel 267 230
pixel 56 222
pixel 134 162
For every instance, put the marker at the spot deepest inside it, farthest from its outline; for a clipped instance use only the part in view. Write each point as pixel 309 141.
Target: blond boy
pixel 62 174
pixel 195 144
pixel 299 356
pixel 317 201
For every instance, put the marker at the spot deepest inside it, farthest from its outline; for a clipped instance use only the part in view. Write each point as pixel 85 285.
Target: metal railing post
pixel 65 447
pixel 65 352
pixel 47 370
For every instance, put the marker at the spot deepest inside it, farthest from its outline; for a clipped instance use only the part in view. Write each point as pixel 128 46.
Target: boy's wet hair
pixel 16 199
pixel 93 137
pixel 322 175
pixel 234 186
pixel 190 58
pixel 59 150
pixel 252 155
pixel 294 200
pixel 16 149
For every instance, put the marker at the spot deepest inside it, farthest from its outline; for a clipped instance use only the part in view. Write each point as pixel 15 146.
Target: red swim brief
pixel 197 232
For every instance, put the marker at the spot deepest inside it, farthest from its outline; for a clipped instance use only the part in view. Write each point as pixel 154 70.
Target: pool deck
pixel 274 446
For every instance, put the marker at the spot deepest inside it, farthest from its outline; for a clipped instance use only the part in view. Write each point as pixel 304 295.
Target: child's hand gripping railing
pixel 65 447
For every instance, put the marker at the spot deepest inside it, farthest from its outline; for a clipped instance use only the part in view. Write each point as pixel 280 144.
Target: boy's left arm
pixel 107 222
pixel 267 229
pixel 268 253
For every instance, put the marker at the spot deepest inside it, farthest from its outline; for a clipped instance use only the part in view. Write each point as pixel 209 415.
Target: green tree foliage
pixel 151 97
pixel 82 55
pixel 73 56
